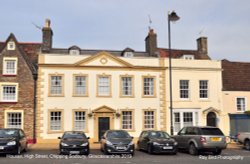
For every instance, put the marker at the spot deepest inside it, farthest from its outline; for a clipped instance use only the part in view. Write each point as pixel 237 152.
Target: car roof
pixel 74 132
pixel 10 129
pixel 212 127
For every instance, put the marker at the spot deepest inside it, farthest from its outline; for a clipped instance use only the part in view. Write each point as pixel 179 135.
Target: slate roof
pixel 235 76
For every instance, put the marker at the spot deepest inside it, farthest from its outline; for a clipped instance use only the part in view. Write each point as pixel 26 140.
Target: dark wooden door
pixel 211 119
pixel 103 126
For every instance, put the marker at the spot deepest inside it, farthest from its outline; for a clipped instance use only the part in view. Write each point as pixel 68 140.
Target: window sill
pixel 9 75
pixel 8 102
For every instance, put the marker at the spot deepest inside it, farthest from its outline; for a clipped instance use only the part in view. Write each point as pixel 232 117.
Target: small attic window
pixel 11 46
pixel 74 52
pixel 129 54
pixel 188 57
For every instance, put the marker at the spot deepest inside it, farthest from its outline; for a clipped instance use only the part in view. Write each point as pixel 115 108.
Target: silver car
pixel 197 138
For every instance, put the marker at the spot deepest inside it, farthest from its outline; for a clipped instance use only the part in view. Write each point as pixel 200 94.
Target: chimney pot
pixel 47 23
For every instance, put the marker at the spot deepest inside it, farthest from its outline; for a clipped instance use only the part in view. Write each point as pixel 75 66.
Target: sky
pixel 118 24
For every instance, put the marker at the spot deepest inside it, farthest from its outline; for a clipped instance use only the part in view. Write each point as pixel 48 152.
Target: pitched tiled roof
pixel 235 76
pixel 29 51
pixel 177 53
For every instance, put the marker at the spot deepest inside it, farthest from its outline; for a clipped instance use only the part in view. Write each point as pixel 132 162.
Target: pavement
pixel 52 146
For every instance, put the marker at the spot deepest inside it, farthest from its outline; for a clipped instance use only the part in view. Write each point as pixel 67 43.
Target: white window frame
pixel 61 121
pixel 150 85
pixel 83 122
pixel 127 120
pixel 11 45
pixel 185 89
pixel 106 86
pixel 196 114
pixel 126 88
pixel 6 112
pixel 150 119
pixel 61 86
pixel 128 54
pixel 84 85
pixel 5 70
pixel 2 92
pixel 188 57
pixel 202 89
pixel 74 52
pixel 241 105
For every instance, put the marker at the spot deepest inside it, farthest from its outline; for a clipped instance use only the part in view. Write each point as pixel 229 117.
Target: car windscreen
pixel 8 133
pixel 118 134
pixel 74 136
pixel 211 131
pixel 158 135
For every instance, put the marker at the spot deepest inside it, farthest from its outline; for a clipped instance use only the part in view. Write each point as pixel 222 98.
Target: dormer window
pixel 128 54
pixel 11 46
pixel 74 50
pixel 188 57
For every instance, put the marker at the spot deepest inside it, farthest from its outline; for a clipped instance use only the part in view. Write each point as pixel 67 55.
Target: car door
pixel 180 137
pixel 22 139
pixel 144 140
pixel 103 138
pixel 139 142
pixel 188 136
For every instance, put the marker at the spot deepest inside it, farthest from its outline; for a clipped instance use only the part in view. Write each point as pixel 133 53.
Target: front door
pixel 211 119
pixel 103 126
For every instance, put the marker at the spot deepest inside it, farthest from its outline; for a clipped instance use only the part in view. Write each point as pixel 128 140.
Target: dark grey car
pixel 156 142
pixel 12 141
pixel 117 142
pixel 196 139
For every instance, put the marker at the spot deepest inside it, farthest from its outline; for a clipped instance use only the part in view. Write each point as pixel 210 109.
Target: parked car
pixel 157 142
pixel 244 138
pixel 12 141
pixel 74 142
pixel 196 139
pixel 117 142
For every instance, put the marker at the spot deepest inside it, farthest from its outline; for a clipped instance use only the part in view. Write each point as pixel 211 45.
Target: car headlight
pixel 85 144
pixel 109 143
pixel 11 143
pixel 131 143
pixel 64 144
pixel 156 143
pixel 175 143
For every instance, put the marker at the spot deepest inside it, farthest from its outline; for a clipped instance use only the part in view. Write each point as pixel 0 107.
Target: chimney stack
pixel 151 43
pixel 47 37
pixel 202 45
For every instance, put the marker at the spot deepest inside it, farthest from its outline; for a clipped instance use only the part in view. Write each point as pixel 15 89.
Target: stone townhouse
pixel 18 73
pixel 96 90
pixel 236 96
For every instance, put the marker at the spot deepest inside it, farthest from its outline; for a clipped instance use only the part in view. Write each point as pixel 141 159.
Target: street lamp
pixel 172 17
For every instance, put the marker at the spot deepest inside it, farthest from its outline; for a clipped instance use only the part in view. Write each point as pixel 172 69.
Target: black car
pixel 74 142
pixel 157 142
pixel 12 141
pixel 117 142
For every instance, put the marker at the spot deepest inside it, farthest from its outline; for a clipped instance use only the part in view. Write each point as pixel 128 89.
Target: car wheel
pixel 149 149
pixel 217 152
pixel 26 148
pixel 105 151
pixel 19 150
pixel 192 149
pixel 247 144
